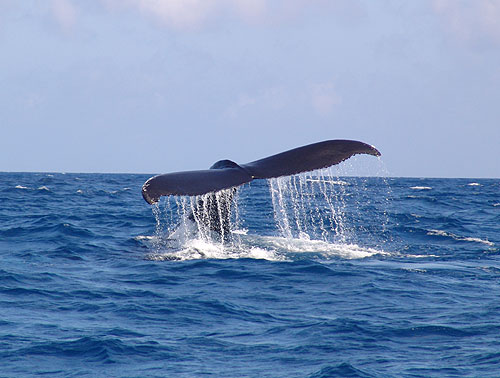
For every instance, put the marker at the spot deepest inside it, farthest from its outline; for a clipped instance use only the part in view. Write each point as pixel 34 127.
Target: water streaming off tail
pixel 309 207
pixel 297 211
pixel 209 217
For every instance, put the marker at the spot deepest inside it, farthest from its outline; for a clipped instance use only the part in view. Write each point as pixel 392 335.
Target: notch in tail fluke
pixel 226 174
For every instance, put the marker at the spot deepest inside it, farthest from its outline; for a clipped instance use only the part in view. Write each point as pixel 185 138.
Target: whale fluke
pixel 308 158
pixel 226 174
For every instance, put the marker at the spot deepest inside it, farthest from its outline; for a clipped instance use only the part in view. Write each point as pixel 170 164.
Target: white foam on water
pixel 21 187
pixel 44 188
pixel 474 184
pixel 460 238
pixel 145 237
pixel 196 249
pixel 419 256
pixel 187 242
pixel 272 248
pixel 478 240
pixel 326 249
pixel 421 188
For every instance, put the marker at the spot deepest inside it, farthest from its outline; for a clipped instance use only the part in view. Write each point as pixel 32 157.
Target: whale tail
pixel 226 174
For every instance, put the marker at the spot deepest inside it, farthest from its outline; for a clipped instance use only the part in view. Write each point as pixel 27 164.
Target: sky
pixel 154 86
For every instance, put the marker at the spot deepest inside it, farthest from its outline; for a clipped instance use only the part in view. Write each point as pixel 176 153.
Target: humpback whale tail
pixel 226 174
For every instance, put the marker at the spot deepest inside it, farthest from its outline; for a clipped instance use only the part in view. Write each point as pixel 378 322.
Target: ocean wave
pixel 344 369
pixel 429 330
pixel 43 229
pixel 91 349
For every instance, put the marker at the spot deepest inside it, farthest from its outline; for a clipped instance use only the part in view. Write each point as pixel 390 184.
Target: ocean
pixel 323 276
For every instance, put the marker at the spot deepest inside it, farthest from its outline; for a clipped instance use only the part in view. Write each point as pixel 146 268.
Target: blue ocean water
pixel 323 277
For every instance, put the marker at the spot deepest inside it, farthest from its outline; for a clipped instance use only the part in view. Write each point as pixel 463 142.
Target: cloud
pixel 190 14
pixel 179 14
pixel 470 21
pixel 65 13
pixel 194 14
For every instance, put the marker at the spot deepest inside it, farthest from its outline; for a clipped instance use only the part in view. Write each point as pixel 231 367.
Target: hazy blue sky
pixel 155 86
